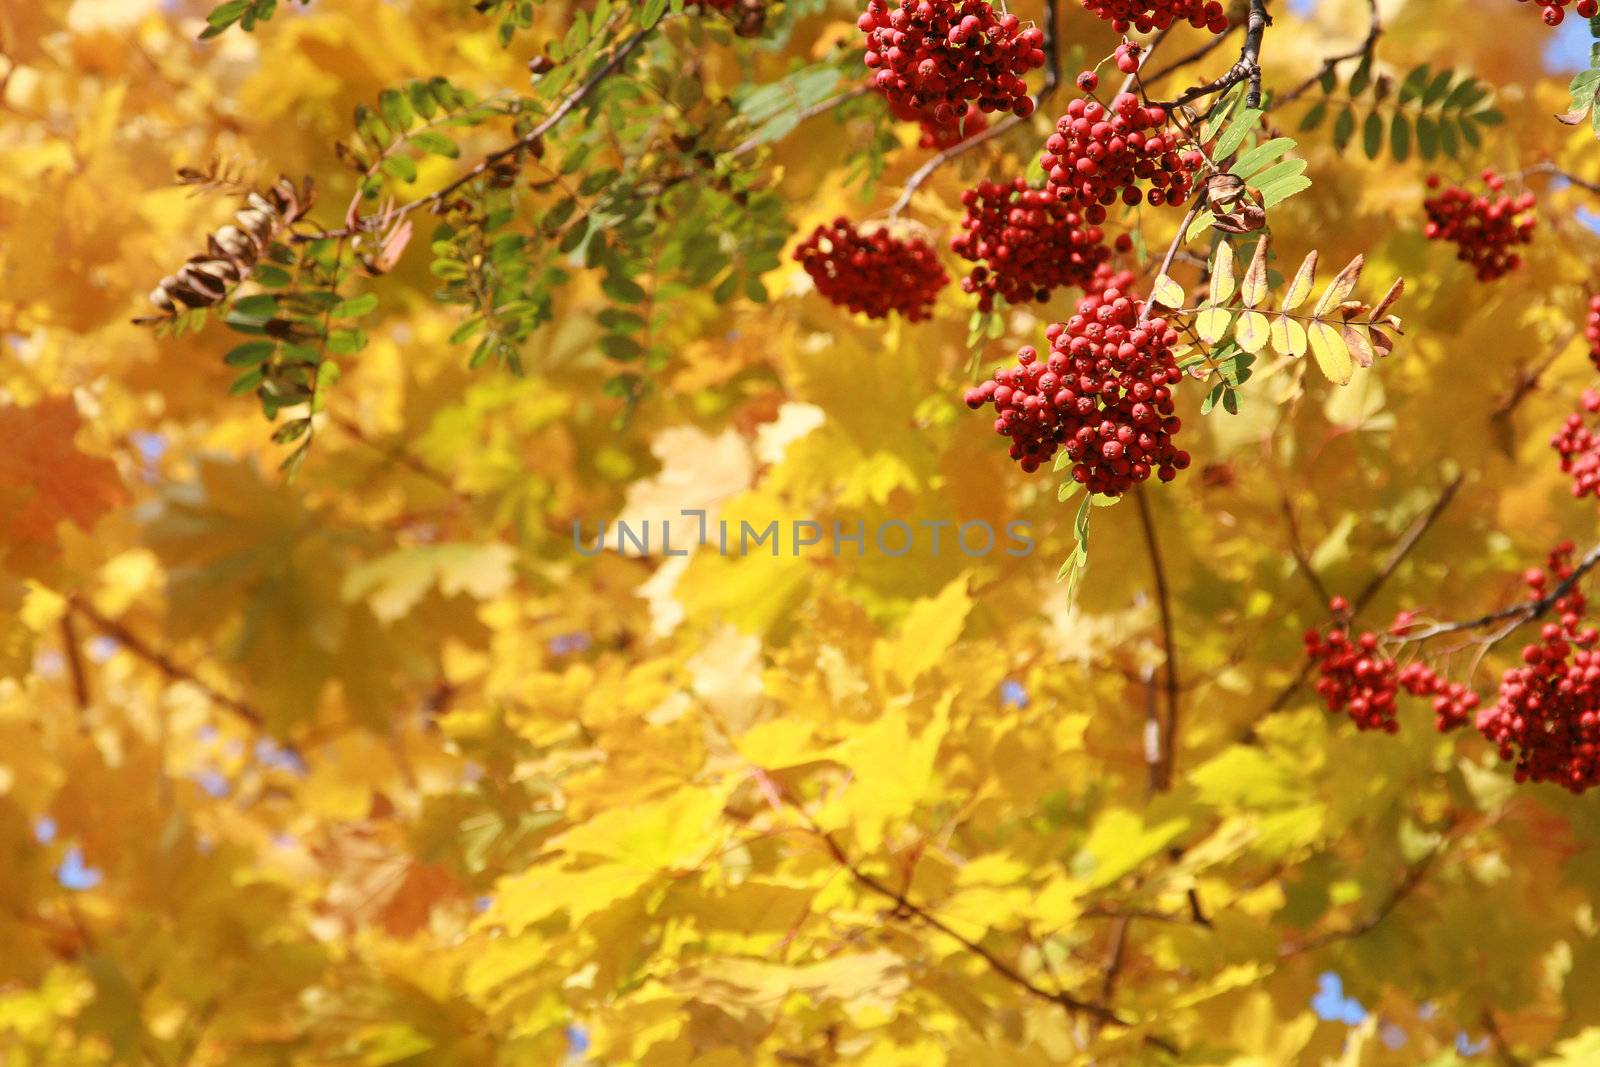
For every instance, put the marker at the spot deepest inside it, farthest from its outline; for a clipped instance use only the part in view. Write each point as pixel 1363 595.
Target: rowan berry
pixel 1103 395
pixel 1147 15
pixel 1025 243
pixel 1547 717
pixel 933 57
pixel 1484 227
pixel 1097 155
pixel 872 273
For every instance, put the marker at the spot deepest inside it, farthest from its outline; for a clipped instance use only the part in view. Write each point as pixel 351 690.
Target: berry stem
pixel 1524 612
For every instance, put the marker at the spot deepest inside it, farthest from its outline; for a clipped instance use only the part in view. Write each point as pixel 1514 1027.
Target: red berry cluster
pixel 1591 330
pixel 1484 228
pixel 1579 448
pixel 1025 243
pixel 1096 155
pixel 1553 11
pixel 939 137
pixel 1547 717
pixel 1453 703
pixel 1104 394
pixel 1360 680
pixel 1147 15
pixel 1354 677
pixel 934 56
pixel 872 273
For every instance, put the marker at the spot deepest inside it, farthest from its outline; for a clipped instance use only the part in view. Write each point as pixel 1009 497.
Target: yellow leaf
pixel 675 832
pixel 1332 355
pixel 1251 331
pixel 392 585
pixel 892 770
pixel 1166 292
pixel 930 628
pixel 1288 337
pixel 1300 288
pixel 1222 281
pixel 1341 286
pixel 1254 286
pixel 1120 841
pixel 1212 323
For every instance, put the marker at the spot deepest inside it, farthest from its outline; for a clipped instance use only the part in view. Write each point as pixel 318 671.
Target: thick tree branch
pixel 1247 67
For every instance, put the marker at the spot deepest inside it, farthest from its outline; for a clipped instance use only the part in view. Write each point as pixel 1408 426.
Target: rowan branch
pixel 1516 614
pixel 1297 549
pixel 1247 67
pixel 1413 878
pixel 1191 58
pixel 1502 1047
pixel 75 667
pixel 1549 168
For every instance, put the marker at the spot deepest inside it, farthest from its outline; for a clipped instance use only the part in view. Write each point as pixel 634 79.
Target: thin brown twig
pixel 161 661
pixel 1144 57
pixel 1191 58
pixel 1497 1038
pixel 567 105
pixel 1172 249
pixel 1374 30
pixel 1518 614
pixel 401 456
pixel 1549 168
pixel 1297 548
pixel 74 654
pixel 753 142
pixel 1413 878
pixel 1169 643
pixel 998 965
